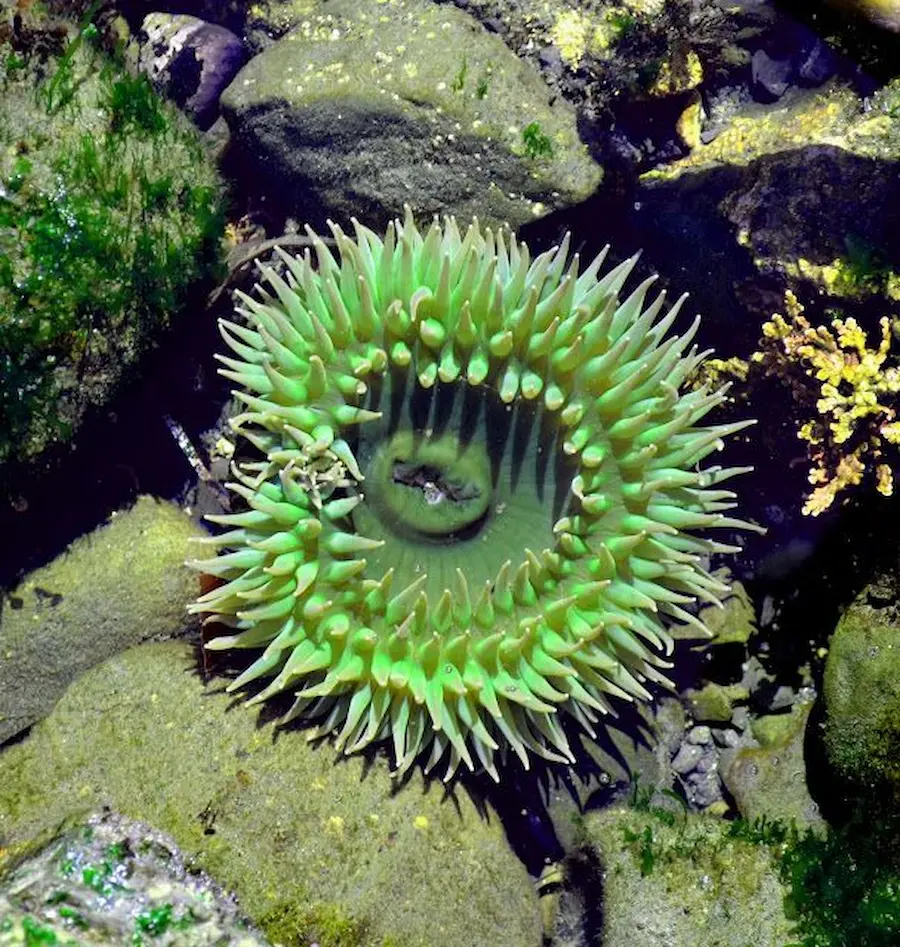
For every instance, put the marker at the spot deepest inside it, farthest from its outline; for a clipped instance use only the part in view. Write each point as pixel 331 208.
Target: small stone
pixel 699 735
pixel 818 65
pixel 770 77
pixel 687 757
pixel 711 704
pixel 550 58
pixel 725 737
pixel 771 698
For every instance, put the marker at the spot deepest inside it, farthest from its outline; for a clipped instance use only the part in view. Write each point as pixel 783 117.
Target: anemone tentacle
pixel 476 506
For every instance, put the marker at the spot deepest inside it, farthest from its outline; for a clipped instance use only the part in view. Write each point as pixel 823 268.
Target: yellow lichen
pixel 832 372
pixel 800 119
pixel 575 33
pixel 678 74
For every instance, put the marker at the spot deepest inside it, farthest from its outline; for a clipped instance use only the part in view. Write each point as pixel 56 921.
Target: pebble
pixel 699 735
pixel 687 757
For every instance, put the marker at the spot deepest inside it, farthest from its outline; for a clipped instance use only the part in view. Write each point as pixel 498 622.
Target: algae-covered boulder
pixel 768 780
pixel 122 584
pixel 366 107
pixel 861 689
pixel 314 848
pixel 110 211
pixel 671 879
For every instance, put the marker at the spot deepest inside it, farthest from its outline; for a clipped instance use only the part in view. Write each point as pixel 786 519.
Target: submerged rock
pixel 120 585
pixel 115 881
pixel 309 845
pixel 364 108
pixel 191 62
pixel 768 780
pixel 670 879
pixel 861 689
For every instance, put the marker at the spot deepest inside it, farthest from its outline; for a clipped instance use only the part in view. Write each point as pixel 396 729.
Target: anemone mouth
pixel 456 479
pixel 474 508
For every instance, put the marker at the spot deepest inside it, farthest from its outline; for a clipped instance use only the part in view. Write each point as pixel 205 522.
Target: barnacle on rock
pixel 474 506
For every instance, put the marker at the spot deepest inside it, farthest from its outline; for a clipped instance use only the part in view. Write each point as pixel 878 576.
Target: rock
pixel 682 883
pixel 814 185
pixel 120 585
pixel 713 703
pixel 310 846
pixel 701 785
pixel 699 735
pixel 725 737
pixel 817 65
pixel 687 758
pixel 116 881
pixel 362 109
pixel 769 78
pixel 861 691
pixel 770 698
pixel 735 622
pixel 191 62
pixel 770 780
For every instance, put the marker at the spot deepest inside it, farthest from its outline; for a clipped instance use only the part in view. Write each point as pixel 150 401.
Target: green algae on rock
pixel 679 878
pixel 861 691
pixel 114 881
pixel 477 496
pixel 769 781
pixel 110 209
pixel 307 846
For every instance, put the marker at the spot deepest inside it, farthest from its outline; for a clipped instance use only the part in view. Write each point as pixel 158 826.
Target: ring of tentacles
pixel 474 506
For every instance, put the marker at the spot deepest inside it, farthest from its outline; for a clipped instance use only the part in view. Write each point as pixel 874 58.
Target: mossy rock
pixel 110 210
pixel 714 703
pixel 769 781
pixel 316 848
pixel 122 584
pixel 674 879
pixel 367 107
pixel 861 689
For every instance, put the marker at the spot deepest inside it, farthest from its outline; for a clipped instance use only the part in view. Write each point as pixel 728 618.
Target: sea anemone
pixel 473 514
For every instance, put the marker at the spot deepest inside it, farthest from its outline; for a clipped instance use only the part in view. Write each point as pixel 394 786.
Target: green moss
pixel 537 144
pixel 109 210
pixel 861 688
pixel 676 877
pixel 295 925
pixel 844 886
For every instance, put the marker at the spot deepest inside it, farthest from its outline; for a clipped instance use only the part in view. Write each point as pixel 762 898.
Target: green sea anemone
pixel 473 514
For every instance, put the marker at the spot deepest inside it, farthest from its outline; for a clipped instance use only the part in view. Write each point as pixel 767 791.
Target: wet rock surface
pixel 861 692
pixel 191 62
